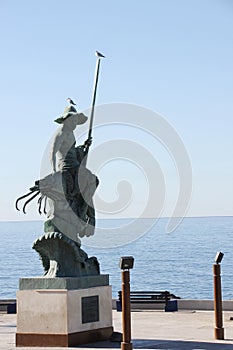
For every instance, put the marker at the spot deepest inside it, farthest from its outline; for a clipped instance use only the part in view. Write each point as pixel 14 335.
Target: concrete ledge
pixel 203 305
pixel 183 304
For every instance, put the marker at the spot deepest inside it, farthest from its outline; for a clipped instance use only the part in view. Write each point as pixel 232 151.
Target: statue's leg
pixel 68 184
pixel 87 183
pixel 81 183
pixel 90 229
pixel 90 190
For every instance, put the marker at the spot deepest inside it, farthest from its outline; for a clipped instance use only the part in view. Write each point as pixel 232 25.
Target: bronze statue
pixel 68 192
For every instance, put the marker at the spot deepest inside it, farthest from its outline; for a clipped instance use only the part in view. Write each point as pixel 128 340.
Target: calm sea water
pixel 180 262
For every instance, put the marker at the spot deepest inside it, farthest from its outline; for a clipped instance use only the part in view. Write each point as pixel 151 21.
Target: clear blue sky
pixel 174 57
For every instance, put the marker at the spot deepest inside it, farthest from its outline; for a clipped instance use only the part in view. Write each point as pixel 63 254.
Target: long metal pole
pixel 219 330
pixel 126 312
pixel 94 96
pixel 97 69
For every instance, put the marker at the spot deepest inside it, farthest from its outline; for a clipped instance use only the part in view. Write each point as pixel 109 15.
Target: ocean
pixel 180 262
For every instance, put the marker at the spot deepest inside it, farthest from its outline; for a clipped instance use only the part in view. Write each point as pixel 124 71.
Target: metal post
pixel 94 96
pixel 97 68
pixel 219 330
pixel 126 312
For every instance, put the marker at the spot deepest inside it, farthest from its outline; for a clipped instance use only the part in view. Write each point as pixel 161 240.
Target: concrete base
pixel 219 333
pixel 63 340
pixel 62 317
pixel 126 346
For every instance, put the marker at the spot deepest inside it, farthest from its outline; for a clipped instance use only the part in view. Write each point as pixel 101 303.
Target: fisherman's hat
pixel 70 111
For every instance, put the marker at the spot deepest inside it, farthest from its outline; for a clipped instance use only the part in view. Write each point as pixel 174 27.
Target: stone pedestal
pixel 63 312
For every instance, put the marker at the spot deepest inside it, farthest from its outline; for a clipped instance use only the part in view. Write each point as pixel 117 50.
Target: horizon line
pixel 133 218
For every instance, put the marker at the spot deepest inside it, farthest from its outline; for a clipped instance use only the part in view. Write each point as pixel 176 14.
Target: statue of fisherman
pixel 68 191
pixel 71 210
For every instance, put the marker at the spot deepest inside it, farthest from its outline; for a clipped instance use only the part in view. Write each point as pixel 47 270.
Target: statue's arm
pixel 55 148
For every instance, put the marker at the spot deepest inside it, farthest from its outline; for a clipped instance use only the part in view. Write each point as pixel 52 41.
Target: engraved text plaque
pixel 90 309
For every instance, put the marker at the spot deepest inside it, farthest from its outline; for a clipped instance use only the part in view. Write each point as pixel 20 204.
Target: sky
pixel 171 57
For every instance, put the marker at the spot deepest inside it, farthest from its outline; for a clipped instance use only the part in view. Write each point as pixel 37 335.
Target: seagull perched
pixel 71 101
pixel 98 54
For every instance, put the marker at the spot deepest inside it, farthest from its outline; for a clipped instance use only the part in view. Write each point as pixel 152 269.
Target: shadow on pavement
pixel 161 344
pixel 179 345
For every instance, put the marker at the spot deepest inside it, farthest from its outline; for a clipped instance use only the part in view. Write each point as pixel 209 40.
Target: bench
pixel 148 297
pixel 8 306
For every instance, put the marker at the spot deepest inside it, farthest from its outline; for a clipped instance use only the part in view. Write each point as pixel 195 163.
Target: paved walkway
pixel 189 330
